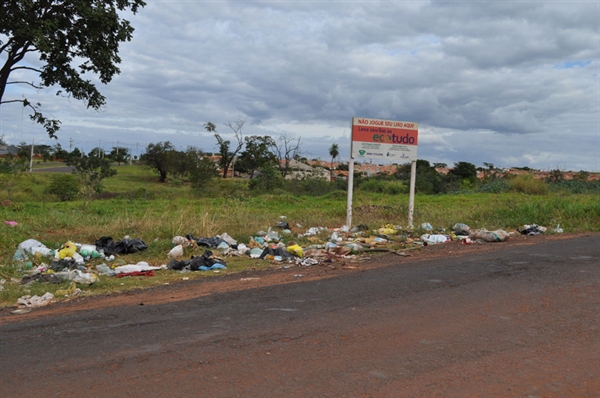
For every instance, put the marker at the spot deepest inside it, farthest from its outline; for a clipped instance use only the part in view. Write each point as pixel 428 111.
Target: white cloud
pixel 498 82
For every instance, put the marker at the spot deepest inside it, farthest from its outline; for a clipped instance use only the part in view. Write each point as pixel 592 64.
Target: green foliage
pixel 119 155
pixel 256 154
pixel 11 169
pixel 494 186
pixel 526 183
pixel 464 171
pixel 381 186
pixel 309 186
pixel 428 180
pixel 160 157
pixel 268 180
pixel 65 186
pixel 202 170
pixel 575 186
pixel 63 34
pixel 91 171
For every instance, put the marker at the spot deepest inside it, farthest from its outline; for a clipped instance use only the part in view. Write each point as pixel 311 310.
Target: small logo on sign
pixel 361 152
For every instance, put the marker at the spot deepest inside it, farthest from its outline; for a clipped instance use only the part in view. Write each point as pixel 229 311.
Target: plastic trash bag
pixel 108 246
pixel 36 301
pixel 104 269
pixel 31 246
pixel 532 229
pixel 296 250
pixel 67 250
pixel 227 239
pixel 175 252
pixel 434 239
pixel 276 252
pixel 141 266
pixel 461 229
pixel 490 236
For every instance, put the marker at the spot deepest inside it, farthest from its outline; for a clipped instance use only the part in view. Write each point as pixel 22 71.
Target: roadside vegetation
pixel 105 197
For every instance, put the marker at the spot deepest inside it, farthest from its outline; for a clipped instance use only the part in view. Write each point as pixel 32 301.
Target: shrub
pixel 65 186
pixel 526 183
pixel 268 180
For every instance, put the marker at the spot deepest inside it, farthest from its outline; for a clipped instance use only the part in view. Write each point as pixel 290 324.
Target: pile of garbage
pixel 278 244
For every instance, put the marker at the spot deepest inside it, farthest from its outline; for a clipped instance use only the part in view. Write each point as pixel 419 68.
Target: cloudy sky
pixel 513 83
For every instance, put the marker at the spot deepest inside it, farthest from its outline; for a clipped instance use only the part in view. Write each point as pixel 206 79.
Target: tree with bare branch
pixel 287 147
pixel 227 155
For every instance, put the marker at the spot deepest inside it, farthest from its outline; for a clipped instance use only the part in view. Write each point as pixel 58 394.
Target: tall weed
pixel 526 183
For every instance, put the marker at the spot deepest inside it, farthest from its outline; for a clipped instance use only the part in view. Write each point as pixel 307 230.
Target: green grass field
pixel 134 203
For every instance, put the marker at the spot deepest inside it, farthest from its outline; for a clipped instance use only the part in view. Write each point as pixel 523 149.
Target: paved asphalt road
pixel 523 322
pixel 57 169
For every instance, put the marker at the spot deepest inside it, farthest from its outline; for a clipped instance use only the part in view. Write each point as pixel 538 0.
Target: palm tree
pixel 334 152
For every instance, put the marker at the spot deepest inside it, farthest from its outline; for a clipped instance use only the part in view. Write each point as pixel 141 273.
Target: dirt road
pixel 521 320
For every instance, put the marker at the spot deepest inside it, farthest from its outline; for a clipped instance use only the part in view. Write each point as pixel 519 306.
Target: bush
pixel 65 186
pixel 494 186
pixel 385 187
pixel 526 183
pixel 309 186
pixel 268 180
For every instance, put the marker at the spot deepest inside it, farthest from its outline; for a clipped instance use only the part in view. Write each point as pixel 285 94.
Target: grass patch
pixel 156 212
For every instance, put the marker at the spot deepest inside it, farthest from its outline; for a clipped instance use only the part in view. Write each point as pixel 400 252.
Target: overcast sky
pixel 513 83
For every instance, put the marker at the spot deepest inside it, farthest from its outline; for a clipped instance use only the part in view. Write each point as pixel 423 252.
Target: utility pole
pixel 70 144
pixel 31 158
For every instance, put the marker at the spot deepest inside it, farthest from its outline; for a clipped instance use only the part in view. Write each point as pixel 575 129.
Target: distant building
pixel 6 150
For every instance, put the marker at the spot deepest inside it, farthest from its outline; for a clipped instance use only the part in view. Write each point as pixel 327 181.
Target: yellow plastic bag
pixel 296 250
pixel 67 250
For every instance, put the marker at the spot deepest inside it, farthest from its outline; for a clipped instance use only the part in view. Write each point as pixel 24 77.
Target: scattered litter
pixel 104 269
pixel 72 290
pixel 558 230
pixel 249 279
pixel 490 236
pixel 139 267
pixel 21 311
pixel 31 246
pixel 36 301
pixel 11 223
pixel 134 273
pixel 177 251
pixel 295 249
pixel 298 275
pixel 434 239
pixel 461 229
pixel 108 246
pixel 532 229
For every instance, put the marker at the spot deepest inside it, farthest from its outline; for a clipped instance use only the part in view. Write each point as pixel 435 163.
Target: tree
pixel 160 157
pixel 201 169
pixel 428 180
pixel 287 148
pixel 257 154
pixel 58 153
pixel 62 33
pixel 92 170
pixel 119 155
pixel 464 171
pixel 227 156
pixel 334 153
